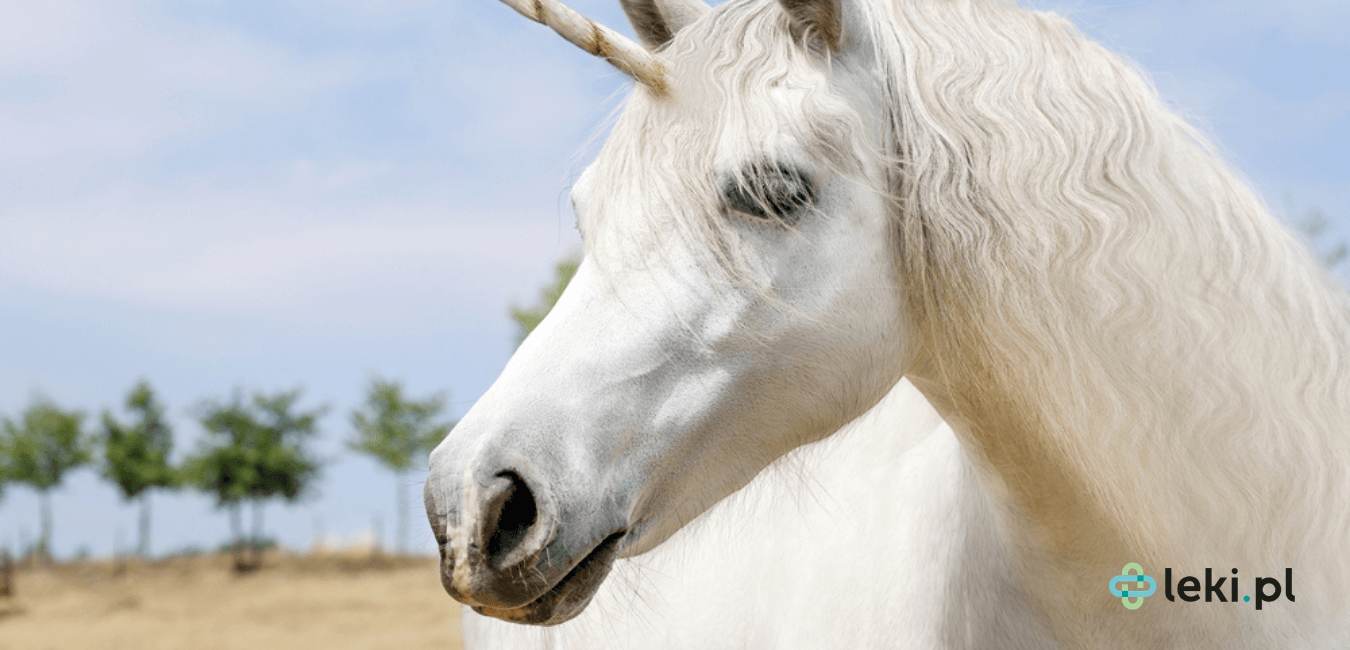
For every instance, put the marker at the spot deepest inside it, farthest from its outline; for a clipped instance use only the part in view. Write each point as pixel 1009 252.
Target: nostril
pixel 512 512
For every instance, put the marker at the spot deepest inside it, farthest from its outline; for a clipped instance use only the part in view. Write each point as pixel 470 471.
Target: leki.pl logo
pixel 1132 587
pixel 1138 586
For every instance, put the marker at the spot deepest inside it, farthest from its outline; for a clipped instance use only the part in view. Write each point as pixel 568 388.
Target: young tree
pixel 286 469
pixel 528 319
pixel 254 451
pixel 136 456
pixel 46 443
pixel 399 433
pixel 223 464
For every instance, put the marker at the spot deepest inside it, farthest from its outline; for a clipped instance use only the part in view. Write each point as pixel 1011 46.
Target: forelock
pixel 742 91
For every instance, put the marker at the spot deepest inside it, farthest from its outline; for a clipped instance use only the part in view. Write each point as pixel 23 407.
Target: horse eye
pixel 777 193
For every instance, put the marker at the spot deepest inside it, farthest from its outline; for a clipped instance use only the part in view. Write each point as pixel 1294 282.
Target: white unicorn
pixel 807 200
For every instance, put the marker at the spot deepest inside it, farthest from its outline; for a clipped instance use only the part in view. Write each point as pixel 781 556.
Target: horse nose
pixel 493 542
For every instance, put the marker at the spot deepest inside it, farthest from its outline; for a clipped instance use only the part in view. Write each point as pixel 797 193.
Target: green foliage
pixel 225 464
pixel 286 468
pixel 254 450
pixel 396 430
pixel 136 456
pixel 46 443
pixel 528 319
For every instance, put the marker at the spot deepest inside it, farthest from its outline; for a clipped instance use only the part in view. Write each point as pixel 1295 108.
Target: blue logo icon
pixel 1134 586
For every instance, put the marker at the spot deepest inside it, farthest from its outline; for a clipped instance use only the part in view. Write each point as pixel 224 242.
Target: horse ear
pixel 657 21
pixel 817 22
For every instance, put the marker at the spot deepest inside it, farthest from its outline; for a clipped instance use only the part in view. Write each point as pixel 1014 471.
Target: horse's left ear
pixel 657 21
pixel 819 23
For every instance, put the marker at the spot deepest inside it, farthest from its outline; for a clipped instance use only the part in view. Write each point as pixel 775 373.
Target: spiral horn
pixel 597 39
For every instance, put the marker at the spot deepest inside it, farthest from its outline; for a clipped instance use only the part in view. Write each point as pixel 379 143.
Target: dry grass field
pixel 331 602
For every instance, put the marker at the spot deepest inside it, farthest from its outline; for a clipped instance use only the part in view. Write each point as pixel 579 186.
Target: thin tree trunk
pixel 237 543
pixel 401 505
pixel 44 545
pixel 377 526
pixel 6 574
pixel 257 531
pixel 143 547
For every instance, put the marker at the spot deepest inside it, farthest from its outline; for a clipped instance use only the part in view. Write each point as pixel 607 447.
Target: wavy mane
pixel 1111 314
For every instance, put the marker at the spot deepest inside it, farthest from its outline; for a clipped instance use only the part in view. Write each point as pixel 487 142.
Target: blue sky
pixel 213 194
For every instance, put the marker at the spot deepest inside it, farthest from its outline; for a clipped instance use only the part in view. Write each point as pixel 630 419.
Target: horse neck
pixel 1182 404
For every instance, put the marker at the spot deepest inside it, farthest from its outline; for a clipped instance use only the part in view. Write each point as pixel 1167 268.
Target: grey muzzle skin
pixel 516 559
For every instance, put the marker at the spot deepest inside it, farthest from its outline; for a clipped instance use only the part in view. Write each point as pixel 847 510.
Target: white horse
pixel 806 200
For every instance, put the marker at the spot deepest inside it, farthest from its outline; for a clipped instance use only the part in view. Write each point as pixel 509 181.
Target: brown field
pixel 330 602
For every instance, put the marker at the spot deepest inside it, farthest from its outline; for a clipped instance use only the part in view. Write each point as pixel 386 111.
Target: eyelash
pixel 777 193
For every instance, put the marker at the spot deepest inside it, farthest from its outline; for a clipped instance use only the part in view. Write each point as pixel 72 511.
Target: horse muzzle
pixel 504 549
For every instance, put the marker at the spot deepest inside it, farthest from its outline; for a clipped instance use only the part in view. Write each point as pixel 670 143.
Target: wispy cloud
pixel 276 262
pixel 165 160
pixel 115 81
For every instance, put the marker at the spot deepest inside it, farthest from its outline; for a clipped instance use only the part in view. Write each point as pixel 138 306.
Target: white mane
pixel 1150 364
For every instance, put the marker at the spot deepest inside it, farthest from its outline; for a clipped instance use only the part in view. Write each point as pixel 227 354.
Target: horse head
pixel 738 298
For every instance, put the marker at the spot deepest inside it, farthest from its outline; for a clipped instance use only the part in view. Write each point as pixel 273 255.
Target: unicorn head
pixel 737 299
